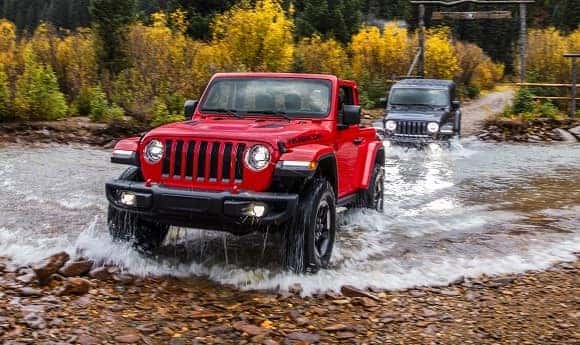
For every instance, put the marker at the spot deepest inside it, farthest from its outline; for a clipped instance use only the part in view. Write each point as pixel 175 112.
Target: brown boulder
pixel 75 286
pixel 76 269
pixel 351 291
pixel 50 266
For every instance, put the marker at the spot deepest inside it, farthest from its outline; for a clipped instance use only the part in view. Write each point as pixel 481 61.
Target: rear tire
pixel 125 226
pixel 309 239
pixel 374 196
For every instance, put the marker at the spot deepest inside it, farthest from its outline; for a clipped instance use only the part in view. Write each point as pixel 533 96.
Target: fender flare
pixel 375 152
pixel 323 155
pixel 125 152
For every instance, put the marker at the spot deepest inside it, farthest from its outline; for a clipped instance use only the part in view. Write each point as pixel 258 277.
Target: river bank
pixel 530 308
pixel 501 129
pixel 74 130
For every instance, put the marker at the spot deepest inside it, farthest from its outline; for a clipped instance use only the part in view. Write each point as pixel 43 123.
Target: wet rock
pixel 249 328
pixel 564 135
pixel 309 338
pixel 575 131
pixel 128 338
pixel 34 321
pixel 29 292
pixel 295 289
pixel 147 328
pixel 351 291
pixel 338 327
pixel 367 302
pixel 76 269
pixel 449 292
pixel 345 335
pixel 27 278
pixel 49 266
pixel 75 286
pixel 501 281
pixel 270 342
pixel 202 314
pixel 85 339
pixel 101 273
pixel 298 318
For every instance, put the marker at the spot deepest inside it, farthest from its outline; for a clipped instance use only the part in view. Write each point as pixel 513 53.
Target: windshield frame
pixel 443 90
pixel 281 113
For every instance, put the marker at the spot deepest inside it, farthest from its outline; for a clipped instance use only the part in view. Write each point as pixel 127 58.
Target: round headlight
pixel 154 151
pixel 258 157
pixel 433 127
pixel 391 125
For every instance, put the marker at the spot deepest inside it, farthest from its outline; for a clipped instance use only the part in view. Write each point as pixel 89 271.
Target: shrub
pixel 162 114
pixel 523 102
pixel 315 55
pixel 4 96
pixel 113 113
pixel 98 104
pixel 37 95
pixel 546 48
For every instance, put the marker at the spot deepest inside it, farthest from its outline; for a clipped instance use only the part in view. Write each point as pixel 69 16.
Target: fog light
pixel 128 198
pixel 256 210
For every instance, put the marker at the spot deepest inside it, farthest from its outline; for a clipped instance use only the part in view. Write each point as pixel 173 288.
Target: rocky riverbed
pixel 532 131
pixel 106 306
pixel 76 130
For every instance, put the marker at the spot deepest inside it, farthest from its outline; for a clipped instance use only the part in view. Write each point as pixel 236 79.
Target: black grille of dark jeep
pixel 203 160
pixel 411 128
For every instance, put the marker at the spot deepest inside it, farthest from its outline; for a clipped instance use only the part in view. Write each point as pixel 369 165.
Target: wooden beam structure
pixel 573 56
pixel 473 16
pixel 438 15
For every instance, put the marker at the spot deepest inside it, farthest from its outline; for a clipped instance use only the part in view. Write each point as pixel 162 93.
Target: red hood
pixel 270 131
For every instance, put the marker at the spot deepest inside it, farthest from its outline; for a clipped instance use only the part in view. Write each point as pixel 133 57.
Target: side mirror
pixel 189 108
pixel 351 115
pixel 456 104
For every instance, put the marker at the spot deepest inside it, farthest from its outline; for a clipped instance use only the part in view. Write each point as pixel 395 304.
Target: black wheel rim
pixel 379 192
pixel 322 229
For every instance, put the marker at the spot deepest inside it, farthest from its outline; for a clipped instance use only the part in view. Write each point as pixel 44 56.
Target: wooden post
pixel 523 43
pixel 573 110
pixel 421 62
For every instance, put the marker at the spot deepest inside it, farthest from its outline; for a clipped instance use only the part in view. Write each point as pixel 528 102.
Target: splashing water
pixel 478 208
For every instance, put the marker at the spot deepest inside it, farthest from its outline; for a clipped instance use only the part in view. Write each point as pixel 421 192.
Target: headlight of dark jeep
pixel 258 157
pixel 433 127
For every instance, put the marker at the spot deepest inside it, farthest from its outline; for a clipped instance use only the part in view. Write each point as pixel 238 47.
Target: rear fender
pixel 375 154
pixel 125 152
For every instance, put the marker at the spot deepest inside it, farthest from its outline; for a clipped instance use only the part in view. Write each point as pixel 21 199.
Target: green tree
pixel 339 19
pixel 111 19
pixel 37 95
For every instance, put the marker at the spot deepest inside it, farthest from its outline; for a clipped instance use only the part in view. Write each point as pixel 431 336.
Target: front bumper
pixel 223 211
pixel 417 140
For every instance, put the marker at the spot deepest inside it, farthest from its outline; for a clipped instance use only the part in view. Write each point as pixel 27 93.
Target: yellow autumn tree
pixel 258 37
pixel 315 55
pixel 7 42
pixel 440 57
pixel 76 59
pixel 377 56
pixel 545 61
pixel 476 68
pixel 574 41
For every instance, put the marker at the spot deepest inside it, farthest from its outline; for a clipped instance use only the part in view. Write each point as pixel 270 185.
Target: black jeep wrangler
pixel 421 112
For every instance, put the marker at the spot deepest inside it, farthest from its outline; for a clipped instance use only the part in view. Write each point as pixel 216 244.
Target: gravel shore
pixel 106 306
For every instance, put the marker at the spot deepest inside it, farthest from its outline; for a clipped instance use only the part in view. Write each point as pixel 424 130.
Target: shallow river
pixel 479 208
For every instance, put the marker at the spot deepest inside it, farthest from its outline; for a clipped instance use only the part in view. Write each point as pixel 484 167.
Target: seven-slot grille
pixel 203 160
pixel 411 128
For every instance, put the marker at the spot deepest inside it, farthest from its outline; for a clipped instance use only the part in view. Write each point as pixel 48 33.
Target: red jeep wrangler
pixel 261 151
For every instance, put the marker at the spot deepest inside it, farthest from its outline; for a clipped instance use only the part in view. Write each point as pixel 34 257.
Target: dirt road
pixel 478 110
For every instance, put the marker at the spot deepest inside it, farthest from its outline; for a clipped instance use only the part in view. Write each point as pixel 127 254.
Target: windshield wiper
pixel 270 112
pixel 232 112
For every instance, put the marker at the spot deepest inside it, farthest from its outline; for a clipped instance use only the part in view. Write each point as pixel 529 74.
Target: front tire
pixel 310 238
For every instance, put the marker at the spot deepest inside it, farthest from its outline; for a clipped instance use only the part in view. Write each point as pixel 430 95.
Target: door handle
pixel 358 141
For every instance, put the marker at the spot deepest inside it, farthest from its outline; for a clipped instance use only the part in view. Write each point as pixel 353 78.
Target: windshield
pixel 408 96
pixel 285 96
